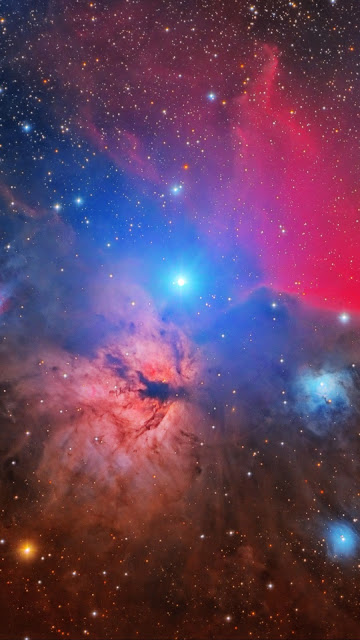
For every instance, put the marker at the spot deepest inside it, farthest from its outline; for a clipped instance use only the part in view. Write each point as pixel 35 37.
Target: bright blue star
pixel 180 281
pixel 78 201
pixel 211 96
pixel 344 318
pixel 342 540
pixel 176 189
pixel 26 127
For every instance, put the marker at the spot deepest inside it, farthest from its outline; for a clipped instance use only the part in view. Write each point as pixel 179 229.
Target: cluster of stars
pixel 179 424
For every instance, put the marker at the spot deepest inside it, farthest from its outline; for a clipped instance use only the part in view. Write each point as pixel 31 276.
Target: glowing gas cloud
pixel 179 320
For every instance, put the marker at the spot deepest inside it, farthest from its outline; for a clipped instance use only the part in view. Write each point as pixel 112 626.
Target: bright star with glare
pixel 26 127
pixel 211 96
pixel 176 189
pixel 27 550
pixel 180 281
pixel 344 318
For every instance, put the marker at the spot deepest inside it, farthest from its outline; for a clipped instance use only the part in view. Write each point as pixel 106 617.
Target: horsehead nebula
pixel 180 325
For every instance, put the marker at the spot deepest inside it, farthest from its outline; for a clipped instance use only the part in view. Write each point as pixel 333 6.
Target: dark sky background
pixel 179 320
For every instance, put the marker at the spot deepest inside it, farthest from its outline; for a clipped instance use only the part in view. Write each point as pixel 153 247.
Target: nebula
pixel 180 320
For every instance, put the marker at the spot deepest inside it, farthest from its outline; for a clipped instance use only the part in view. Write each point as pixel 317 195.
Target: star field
pixel 179 319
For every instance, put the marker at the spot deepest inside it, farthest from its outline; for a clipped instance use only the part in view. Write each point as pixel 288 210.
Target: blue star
pixel 180 281
pixel 344 318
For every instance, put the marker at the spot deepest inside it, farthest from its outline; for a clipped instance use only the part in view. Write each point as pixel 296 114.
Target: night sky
pixel 179 319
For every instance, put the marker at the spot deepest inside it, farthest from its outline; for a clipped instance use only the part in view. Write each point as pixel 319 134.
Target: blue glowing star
pixel 180 281
pixel 26 127
pixel 176 189
pixel 78 200
pixel 342 540
pixel 211 96
pixel 344 318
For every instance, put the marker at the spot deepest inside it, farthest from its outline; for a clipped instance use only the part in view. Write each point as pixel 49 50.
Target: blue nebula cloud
pixel 327 390
pixel 323 397
pixel 342 540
